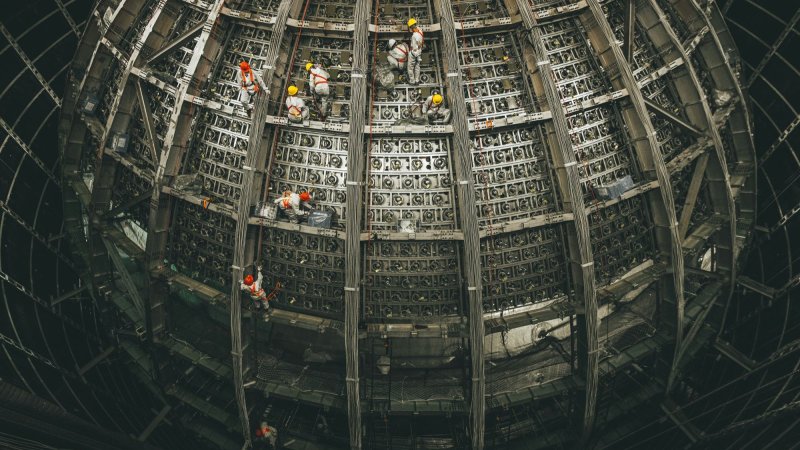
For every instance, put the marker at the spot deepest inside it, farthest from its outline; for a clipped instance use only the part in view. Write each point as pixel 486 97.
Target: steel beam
pixel 630 29
pixel 355 204
pixel 167 167
pixel 96 360
pixel 128 204
pixel 722 197
pixel 186 35
pixel 727 349
pixel 469 223
pixel 147 118
pixel 68 295
pixel 787 30
pixel 24 146
pixel 691 194
pixel 578 229
pixel 68 17
pixel 154 423
pixel 672 118
pixel 242 254
pixel 34 71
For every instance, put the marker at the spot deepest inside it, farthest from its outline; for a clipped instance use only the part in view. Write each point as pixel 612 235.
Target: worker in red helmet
pixel 266 435
pixel 256 292
pixel 306 200
pixel 289 203
pixel 251 83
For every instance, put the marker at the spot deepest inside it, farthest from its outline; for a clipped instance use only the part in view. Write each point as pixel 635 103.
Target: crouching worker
pixel 397 54
pixel 290 205
pixel 433 108
pixel 296 108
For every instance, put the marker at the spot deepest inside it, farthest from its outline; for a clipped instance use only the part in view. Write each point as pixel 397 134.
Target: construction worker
pixel 256 292
pixel 305 201
pixel 433 108
pixel 296 108
pixel 318 80
pixel 266 436
pixel 251 83
pixel 289 203
pixel 415 55
pixel 397 54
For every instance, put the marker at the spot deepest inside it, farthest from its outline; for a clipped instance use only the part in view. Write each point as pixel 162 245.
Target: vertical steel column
pixel 256 154
pixel 168 166
pixel 715 170
pixel 356 162
pixel 469 222
pixel 580 240
pixel 651 159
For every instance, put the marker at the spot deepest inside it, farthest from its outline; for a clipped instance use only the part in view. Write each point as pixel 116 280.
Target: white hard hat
pixel 392 43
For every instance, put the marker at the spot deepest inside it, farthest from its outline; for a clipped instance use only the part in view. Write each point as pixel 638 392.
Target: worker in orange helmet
pixel 289 203
pixel 267 435
pixel 306 200
pixel 256 291
pixel 251 83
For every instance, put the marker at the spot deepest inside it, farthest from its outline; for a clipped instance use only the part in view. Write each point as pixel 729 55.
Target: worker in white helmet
pixel 296 108
pixel 397 54
pixel 415 55
pixel 433 108
pixel 289 203
pixel 318 80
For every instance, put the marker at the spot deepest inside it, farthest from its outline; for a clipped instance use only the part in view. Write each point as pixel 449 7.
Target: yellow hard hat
pixel 412 21
pixel 292 90
pixel 437 99
pixel 309 65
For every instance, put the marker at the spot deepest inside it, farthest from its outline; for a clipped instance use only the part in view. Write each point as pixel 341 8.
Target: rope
pixel 274 145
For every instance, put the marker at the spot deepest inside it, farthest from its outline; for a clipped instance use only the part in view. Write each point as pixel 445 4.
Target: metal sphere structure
pixel 577 220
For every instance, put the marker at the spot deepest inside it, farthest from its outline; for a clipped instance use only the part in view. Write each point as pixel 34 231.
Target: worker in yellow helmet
pixel 318 80
pixel 296 109
pixel 433 108
pixel 415 55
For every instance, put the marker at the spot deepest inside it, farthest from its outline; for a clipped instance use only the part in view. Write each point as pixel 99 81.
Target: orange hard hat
pixel 248 280
pixel 304 196
pixel 244 65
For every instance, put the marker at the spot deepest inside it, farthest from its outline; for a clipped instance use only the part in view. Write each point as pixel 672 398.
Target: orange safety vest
pixel 252 81
pixel 286 202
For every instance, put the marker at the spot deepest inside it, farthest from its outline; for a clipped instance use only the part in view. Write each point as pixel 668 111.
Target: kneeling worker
pixel 318 80
pixel 397 54
pixel 433 108
pixel 295 106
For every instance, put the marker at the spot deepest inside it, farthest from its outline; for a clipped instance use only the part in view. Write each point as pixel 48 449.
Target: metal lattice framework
pixel 503 296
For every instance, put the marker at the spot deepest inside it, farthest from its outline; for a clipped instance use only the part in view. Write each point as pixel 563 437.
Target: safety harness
pixel 251 81
pixel 315 75
pixel 421 35
pixel 400 49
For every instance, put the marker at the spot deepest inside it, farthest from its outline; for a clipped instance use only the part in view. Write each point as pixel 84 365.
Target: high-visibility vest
pixel 251 81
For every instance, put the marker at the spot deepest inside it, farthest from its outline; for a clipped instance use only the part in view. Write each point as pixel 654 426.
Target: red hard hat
pixel 244 65
pixel 248 280
pixel 304 196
